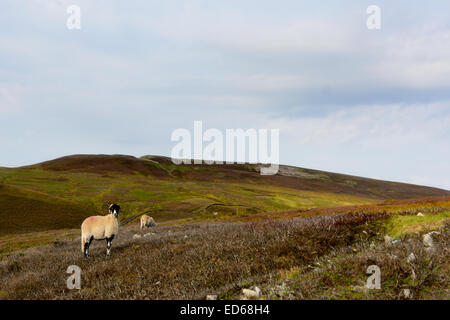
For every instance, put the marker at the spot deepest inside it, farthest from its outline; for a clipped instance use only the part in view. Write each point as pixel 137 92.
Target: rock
pixel 148 234
pixel 215 213
pixel 137 236
pixel 407 293
pixel 254 293
pixel 428 239
pixel 211 297
pixel 420 214
pixel 388 240
pixel 185 236
pixel 373 245
pixel 411 258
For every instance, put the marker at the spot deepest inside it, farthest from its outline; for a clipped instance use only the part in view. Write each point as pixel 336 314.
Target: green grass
pixel 174 192
pixel 138 193
pixel 17 243
pixel 23 210
pixel 399 226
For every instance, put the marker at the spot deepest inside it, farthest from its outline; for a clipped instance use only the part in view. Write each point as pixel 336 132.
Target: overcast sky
pixel 372 103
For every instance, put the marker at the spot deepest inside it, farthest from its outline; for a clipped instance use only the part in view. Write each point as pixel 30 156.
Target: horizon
pixel 346 99
pixel 193 164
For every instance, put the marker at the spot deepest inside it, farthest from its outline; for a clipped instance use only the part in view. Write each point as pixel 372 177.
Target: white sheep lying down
pixel 100 228
pixel 147 221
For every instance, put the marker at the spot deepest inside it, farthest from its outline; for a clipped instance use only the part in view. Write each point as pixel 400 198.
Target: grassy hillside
pixel 22 210
pixel 60 193
pixel 321 257
pixel 158 167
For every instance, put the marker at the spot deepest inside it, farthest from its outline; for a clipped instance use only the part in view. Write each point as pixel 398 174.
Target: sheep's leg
pixel 86 248
pixel 108 245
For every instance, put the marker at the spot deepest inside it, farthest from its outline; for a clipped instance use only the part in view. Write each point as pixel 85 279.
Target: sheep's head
pixel 153 223
pixel 114 209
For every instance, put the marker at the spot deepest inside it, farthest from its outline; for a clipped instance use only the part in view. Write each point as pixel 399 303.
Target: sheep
pixel 100 228
pixel 147 221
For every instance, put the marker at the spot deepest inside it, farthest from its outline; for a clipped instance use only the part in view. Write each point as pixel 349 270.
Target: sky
pixel 373 103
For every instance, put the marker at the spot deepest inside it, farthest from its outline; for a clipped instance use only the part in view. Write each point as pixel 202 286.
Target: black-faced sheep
pixel 147 221
pixel 100 228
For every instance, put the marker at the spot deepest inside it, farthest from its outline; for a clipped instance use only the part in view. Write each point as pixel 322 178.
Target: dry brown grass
pixel 342 273
pixel 181 262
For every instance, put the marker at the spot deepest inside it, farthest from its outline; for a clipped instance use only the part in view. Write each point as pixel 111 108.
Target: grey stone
pixel 253 293
pixel 411 258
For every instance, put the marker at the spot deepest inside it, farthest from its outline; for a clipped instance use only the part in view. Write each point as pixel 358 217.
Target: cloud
pixel 416 58
pixel 391 142
pixel 345 98
pixel 380 125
